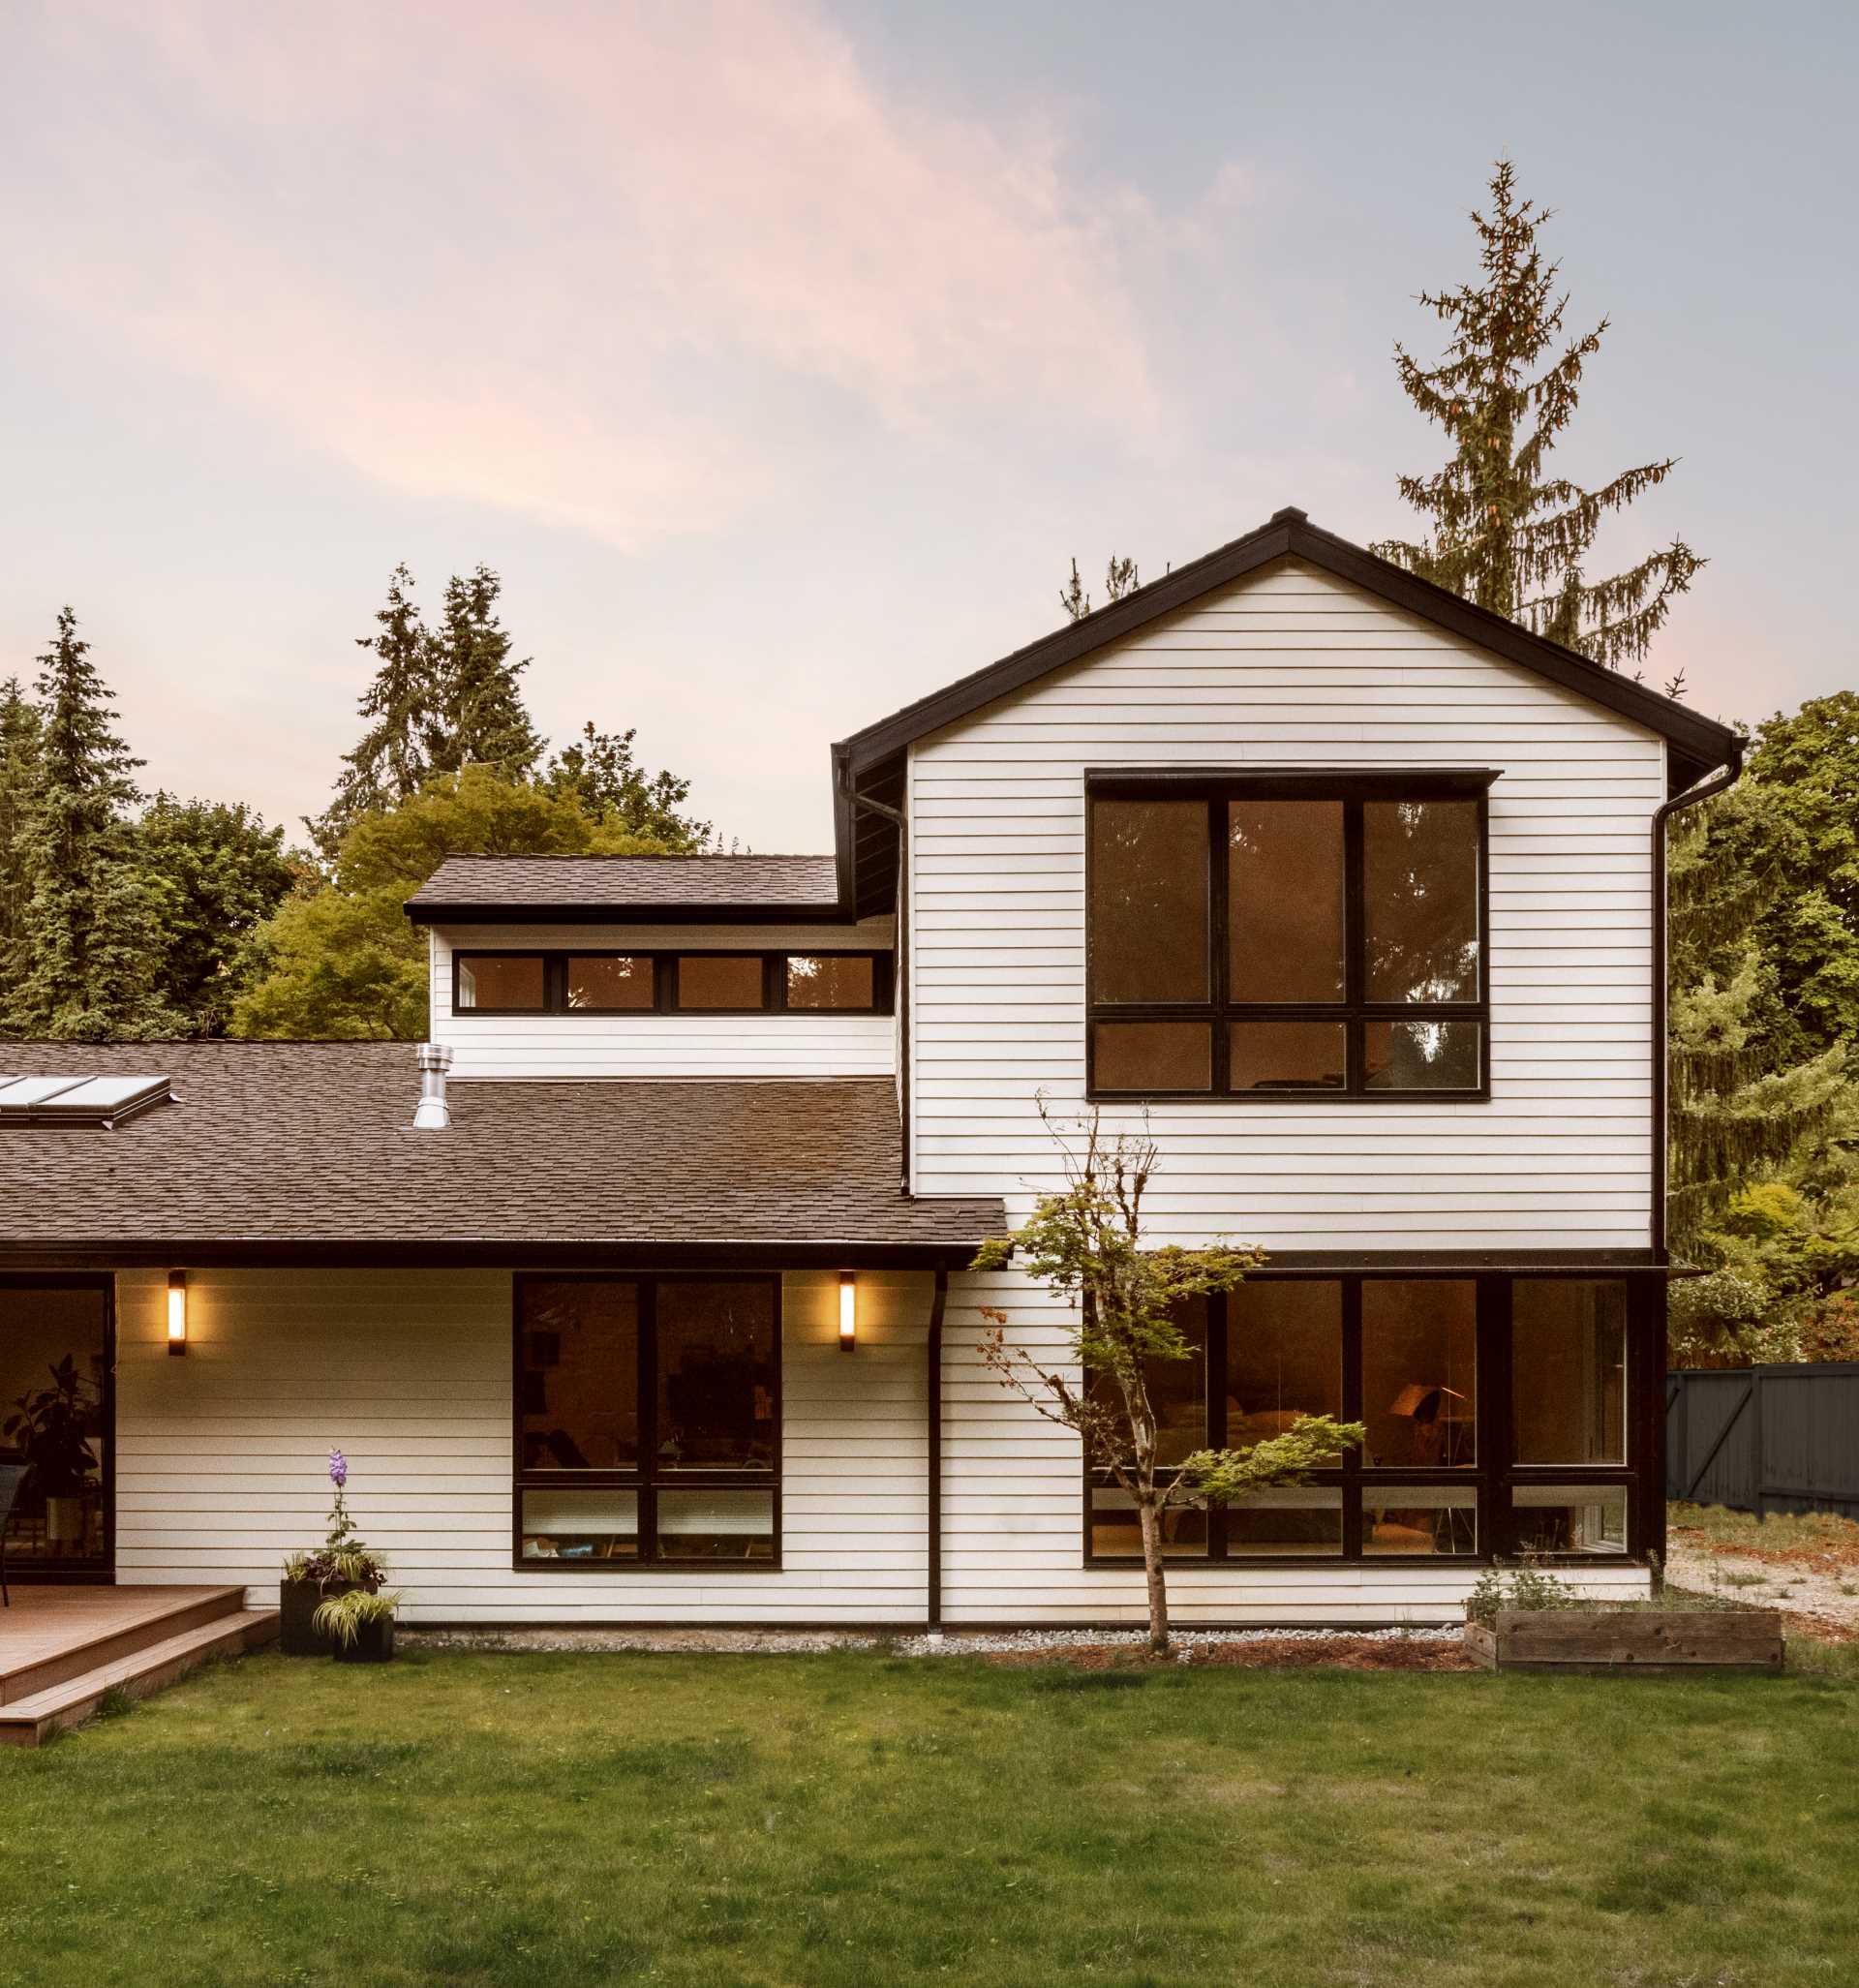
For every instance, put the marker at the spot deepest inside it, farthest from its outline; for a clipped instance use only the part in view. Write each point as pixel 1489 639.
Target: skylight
pixel 105 1101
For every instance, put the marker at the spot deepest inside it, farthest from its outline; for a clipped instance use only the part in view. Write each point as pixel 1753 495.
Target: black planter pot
pixel 297 1603
pixel 374 1643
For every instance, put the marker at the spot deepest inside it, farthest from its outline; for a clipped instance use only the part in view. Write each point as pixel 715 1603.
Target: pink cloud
pixel 569 260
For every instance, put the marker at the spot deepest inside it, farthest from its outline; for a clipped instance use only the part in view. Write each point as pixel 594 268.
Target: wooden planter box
pixel 1629 1640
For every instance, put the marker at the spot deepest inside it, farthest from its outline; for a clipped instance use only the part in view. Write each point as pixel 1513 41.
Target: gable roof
pixel 595 889
pixel 1697 744
pixel 306 1152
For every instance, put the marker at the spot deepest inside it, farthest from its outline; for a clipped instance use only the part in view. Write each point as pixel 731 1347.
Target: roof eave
pixel 847 1252
pixel 1696 740
pixel 816 912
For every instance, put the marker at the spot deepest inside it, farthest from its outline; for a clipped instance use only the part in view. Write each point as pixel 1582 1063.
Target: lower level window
pixel 1497 1411
pixel 647 1420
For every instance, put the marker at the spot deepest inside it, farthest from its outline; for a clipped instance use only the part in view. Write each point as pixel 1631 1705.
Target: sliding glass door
pixel 55 1418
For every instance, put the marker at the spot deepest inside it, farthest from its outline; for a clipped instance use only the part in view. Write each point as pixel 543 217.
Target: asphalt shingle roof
pixel 287 1143
pixel 533 884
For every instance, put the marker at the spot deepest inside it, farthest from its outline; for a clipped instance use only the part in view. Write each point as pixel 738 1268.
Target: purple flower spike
pixel 338 1469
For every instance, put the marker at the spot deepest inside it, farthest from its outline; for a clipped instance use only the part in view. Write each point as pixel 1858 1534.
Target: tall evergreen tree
pixel 394 757
pixel 84 963
pixel 18 769
pixel 1120 577
pixel 481 720
pixel 1505 533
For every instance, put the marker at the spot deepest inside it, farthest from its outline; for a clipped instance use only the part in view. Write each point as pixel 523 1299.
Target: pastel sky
pixel 780 354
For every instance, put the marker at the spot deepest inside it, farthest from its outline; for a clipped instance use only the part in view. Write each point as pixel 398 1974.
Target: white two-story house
pixel 1349 890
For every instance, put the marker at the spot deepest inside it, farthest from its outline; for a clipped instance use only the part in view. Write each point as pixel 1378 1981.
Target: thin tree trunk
pixel 1151 1520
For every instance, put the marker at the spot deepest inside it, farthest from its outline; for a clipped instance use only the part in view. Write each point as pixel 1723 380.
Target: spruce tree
pixel 84 960
pixel 393 758
pixel 1505 533
pixel 1120 577
pixel 481 717
pixel 18 768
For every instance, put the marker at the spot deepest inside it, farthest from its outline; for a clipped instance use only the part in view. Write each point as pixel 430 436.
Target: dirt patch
pixel 1257 1653
pixel 1814 1598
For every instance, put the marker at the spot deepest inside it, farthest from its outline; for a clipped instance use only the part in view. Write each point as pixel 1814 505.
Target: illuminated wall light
pixel 848 1311
pixel 178 1311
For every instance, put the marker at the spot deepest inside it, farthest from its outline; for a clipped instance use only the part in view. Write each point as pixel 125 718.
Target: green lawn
pixel 860 1821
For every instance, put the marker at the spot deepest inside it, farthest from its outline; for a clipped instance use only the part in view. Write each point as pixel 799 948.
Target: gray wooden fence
pixel 1765 1438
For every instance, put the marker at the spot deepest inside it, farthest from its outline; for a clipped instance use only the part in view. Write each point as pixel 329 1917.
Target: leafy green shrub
pixel 1529 1588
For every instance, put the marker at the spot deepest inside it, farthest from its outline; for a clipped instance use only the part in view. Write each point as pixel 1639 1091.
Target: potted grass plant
pixel 342 1566
pixel 359 1625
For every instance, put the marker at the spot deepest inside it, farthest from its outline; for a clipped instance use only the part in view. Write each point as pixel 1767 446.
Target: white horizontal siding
pixel 653 1045
pixel 222 1455
pixel 1291 667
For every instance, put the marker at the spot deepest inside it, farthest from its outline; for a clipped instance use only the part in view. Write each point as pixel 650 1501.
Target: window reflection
pixel 578 1373
pixel 507 980
pixel 1569 1370
pixel 1285 900
pixel 1149 901
pixel 1419 1519
pixel 715 1375
pixel 1421 900
pixel 829 980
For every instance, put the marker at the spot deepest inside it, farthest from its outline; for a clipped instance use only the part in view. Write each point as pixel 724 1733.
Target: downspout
pixel 1714 783
pixel 901 966
pixel 933 1580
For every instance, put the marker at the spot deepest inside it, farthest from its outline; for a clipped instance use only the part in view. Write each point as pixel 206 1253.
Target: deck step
pixel 27 1722
pixel 190 1608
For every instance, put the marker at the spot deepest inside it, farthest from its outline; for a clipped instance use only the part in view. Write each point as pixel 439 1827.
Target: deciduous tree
pixel 602 773
pixel 341 959
pixel 1124 1297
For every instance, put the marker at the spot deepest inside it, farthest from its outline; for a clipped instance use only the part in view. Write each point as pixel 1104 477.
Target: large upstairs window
pixel 1287 934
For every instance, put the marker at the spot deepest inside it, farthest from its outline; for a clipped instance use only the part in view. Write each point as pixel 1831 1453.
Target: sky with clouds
pixel 779 354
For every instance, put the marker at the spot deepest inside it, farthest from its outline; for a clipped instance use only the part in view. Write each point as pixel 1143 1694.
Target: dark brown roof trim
pixel 816 911
pixel 847 1254
pixel 1396 782
pixel 1699 743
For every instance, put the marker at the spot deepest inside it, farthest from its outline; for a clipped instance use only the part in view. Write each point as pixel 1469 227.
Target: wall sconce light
pixel 848 1311
pixel 178 1311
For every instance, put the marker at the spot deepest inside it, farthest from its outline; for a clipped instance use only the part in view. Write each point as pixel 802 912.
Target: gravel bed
pixel 779 1642
pixel 975 1643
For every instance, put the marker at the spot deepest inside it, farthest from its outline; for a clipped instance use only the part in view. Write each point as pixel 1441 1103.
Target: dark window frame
pixel 664 978
pixel 1216 787
pixel 1496 1473
pixel 81 1572
pixel 644 1479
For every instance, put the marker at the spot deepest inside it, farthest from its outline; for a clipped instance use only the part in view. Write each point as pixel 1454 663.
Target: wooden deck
pixel 63 1648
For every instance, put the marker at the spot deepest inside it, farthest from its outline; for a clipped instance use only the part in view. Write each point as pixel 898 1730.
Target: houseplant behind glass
pixel 342 1565
pixel 50 1430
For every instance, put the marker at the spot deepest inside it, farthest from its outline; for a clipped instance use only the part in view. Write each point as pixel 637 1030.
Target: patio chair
pixel 12 1476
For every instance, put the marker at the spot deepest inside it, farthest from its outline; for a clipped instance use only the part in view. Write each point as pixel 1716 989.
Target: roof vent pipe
pixel 433 1113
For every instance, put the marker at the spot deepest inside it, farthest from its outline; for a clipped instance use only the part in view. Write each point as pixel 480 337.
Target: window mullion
pixel 1219 941
pixel 648 1308
pixel 1354 972
pixel 1352 1295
